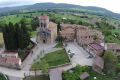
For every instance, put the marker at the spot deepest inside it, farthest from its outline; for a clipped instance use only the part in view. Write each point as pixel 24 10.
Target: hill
pixel 43 6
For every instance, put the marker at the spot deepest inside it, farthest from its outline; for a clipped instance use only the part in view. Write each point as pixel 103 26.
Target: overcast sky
pixel 113 5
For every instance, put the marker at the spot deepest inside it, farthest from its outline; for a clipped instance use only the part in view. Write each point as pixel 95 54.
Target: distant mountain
pixel 39 6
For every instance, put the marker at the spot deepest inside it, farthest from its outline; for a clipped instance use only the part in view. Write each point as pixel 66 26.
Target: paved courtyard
pixel 80 55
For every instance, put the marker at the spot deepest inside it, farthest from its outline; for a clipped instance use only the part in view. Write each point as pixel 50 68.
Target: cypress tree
pixel 5 36
pixel 26 37
pixel 11 37
pixel 16 36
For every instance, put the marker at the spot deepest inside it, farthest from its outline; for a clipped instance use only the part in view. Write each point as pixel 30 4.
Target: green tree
pixel 5 36
pixel 111 62
pixel 35 23
pixel 24 35
pixel 58 28
pixel 16 36
pixel 11 37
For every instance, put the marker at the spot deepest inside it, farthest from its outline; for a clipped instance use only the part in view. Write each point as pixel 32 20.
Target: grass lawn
pixel 33 33
pixel 58 45
pixel 42 77
pixel 53 59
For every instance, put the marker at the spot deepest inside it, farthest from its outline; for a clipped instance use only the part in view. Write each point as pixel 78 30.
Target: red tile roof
pixel 45 17
pixel 96 46
pixel 12 60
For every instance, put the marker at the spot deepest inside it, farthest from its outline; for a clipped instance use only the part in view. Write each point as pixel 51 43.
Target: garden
pixel 74 74
pixel 56 58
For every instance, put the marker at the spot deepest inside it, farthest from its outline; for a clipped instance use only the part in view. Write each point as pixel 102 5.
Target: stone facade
pixel 98 64
pixel 82 34
pixel 114 47
pixel 47 31
pixel 97 49
pixel 68 31
pixel 10 59
pixel 87 36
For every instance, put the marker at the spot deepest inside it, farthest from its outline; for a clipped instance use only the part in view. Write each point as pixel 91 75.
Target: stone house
pixel 87 36
pixel 114 47
pixel 98 64
pixel 10 59
pixel 47 31
pixel 68 31
pixel 97 49
pixel 10 62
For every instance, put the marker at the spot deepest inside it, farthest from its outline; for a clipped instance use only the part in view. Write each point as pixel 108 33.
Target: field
pixel 17 17
pixel 53 59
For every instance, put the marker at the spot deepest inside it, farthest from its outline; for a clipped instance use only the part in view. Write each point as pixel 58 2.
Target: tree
pixel 11 37
pixel 111 62
pixel 25 37
pixel 16 36
pixel 35 23
pixel 58 28
pixel 5 36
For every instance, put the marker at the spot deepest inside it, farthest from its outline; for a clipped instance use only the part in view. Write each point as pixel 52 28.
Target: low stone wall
pixel 67 64
pixel 12 66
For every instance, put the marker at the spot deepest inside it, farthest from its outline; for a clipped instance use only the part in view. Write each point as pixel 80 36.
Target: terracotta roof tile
pixel 43 17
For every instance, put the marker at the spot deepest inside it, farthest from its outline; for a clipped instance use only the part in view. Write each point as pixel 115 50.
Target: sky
pixel 113 5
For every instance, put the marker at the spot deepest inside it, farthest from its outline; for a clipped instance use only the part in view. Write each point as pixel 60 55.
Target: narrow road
pixel 55 74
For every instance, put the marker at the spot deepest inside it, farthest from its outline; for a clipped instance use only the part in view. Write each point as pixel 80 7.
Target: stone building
pixel 114 47
pixel 10 59
pixel 98 64
pixel 87 36
pixel 68 31
pixel 95 48
pixel 47 31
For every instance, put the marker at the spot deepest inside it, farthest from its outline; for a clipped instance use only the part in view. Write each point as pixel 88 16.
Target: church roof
pixel 45 17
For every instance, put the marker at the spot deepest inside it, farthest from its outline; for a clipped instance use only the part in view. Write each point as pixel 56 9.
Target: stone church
pixel 47 31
